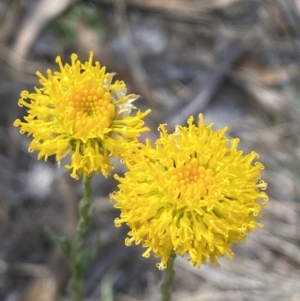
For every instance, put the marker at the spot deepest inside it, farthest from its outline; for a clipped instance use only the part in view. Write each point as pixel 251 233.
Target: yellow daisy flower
pixel 79 110
pixel 193 194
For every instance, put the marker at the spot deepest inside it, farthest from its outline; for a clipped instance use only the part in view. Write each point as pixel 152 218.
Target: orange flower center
pixel 91 103
pixel 192 179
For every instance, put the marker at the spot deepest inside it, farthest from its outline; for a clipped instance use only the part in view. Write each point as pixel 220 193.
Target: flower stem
pixel 79 257
pixel 85 212
pixel 166 287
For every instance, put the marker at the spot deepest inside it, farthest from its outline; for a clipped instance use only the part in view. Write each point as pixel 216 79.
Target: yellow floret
pixel 194 194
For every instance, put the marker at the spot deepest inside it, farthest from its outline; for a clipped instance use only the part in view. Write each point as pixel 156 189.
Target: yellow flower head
pixel 193 194
pixel 79 110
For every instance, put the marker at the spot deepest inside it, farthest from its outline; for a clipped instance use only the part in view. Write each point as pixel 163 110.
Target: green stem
pixel 166 287
pixel 76 259
pixel 85 212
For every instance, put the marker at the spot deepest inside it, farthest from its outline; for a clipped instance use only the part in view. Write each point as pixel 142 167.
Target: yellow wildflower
pixel 193 194
pixel 79 110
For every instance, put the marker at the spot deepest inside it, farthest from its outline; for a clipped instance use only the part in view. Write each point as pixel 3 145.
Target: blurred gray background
pixel 236 61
